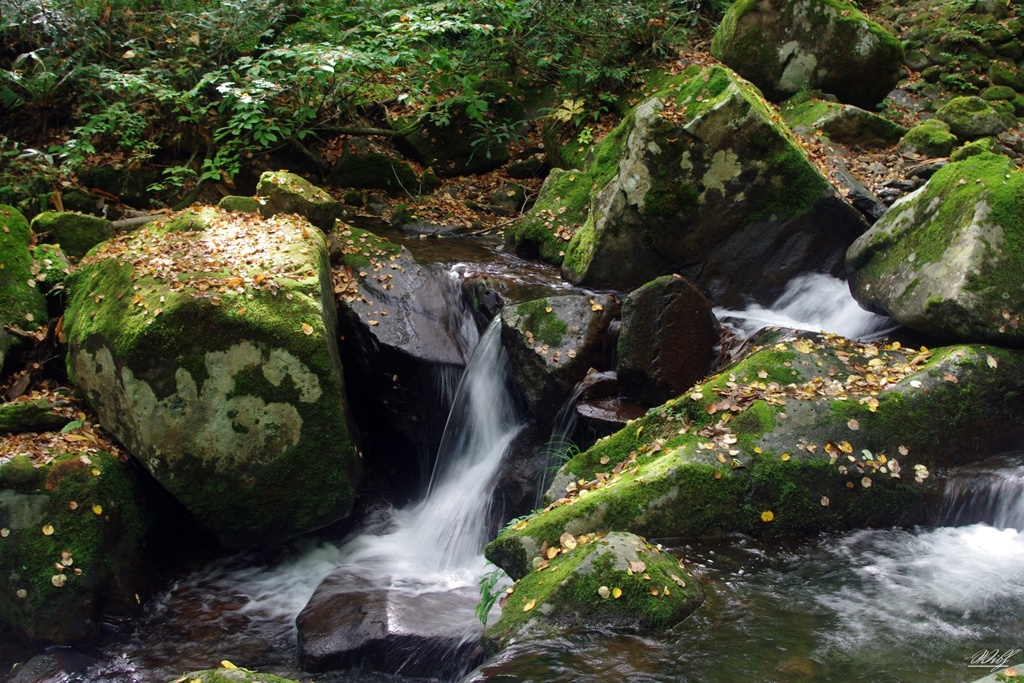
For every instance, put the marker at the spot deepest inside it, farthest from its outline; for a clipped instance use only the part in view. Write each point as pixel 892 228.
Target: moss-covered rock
pixel 802 436
pixel 367 165
pixel 930 138
pixel 76 233
pixel 212 355
pixel 283 192
pixel 616 580
pixel 21 302
pixel 785 46
pixel 230 676
pixel 998 92
pixel 707 182
pixel 50 266
pixel 971 117
pixel 71 536
pixel 238 204
pixel 35 415
pixel 667 340
pixel 948 259
pixel 980 146
pixel 551 344
pixel 842 123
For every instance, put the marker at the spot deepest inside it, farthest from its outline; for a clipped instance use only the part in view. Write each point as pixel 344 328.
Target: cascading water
pixel 443 535
pixel 813 302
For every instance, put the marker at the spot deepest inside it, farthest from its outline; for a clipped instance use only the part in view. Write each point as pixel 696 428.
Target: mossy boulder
pixel 76 233
pixel 804 435
pixel 22 304
pixel 667 340
pixel 617 580
pixel 998 92
pixel 30 415
pixel 71 538
pixel 930 138
pixel 974 148
pixel 705 181
pixel 551 344
pixel 284 192
pixel 947 259
pixel 842 123
pixel 367 165
pixel 50 266
pixel 971 117
pixel 785 46
pixel 239 204
pixel 230 676
pixel 212 356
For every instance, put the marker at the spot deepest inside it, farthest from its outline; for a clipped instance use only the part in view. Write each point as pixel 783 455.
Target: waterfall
pixel 991 492
pixel 814 302
pixel 436 544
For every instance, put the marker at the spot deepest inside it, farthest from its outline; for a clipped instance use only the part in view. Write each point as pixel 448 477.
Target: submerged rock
pixel 945 260
pixel 21 302
pixel 71 540
pixel 802 436
pixel 353 622
pixel 785 46
pixel 212 355
pixel 553 342
pixel 616 580
pixel 703 180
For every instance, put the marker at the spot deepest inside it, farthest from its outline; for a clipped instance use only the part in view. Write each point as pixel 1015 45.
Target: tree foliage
pixel 199 87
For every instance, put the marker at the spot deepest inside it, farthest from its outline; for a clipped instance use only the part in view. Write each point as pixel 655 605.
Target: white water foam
pixel 813 302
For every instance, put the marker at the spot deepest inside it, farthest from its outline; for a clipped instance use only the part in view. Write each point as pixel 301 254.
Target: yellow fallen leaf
pixel 616 593
pixel 48 530
pixel 992 362
pixel 227 665
pixel 307 329
pixel 530 605
pixel 767 516
pixel 97 509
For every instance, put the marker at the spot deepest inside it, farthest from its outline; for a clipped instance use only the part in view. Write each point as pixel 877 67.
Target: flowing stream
pixel 871 605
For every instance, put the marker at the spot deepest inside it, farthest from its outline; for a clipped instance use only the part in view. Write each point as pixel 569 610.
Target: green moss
pixel 21 302
pixel 238 204
pixel 998 92
pixel 84 517
pixel 543 323
pixel 233 675
pixel 75 233
pixel 974 148
pixel 796 185
pixel 807 112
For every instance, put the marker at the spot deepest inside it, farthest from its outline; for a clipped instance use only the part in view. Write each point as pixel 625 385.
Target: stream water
pixel 878 605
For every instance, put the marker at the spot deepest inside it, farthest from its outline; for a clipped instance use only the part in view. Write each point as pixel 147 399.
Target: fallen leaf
pixel 567 541
pixel 58 580
pixel 530 605
pixel 616 593
pixel 824 501
pixel 48 530
pixel 604 591
pixel 992 362
pixel 307 329
pixel 767 516
pixel 637 566
pixel 853 424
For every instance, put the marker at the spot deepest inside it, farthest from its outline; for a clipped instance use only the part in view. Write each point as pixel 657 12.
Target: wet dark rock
pixel 608 415
pixel 924 170
pixel 552 343
pixel 484 298
pixel 353 622
pixel 863 199
pixel 598 385
pixel 403 346
pixel 667 341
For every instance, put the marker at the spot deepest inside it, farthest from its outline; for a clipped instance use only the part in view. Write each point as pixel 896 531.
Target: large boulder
pixel 353 621
pixel 667 341
pixel 552 342
pixel 705 181
pixel 406 339
pixel 805 435
pixel 616 580
pixel 284 192
pixel 208 346
pixel 71 540
pixel 786 46
pixel 841 123
pixel 76 233
pixel 946 260
pixel 21 303
pixel 971 118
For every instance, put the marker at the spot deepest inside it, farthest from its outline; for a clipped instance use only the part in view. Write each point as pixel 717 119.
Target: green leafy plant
pixel 489 594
